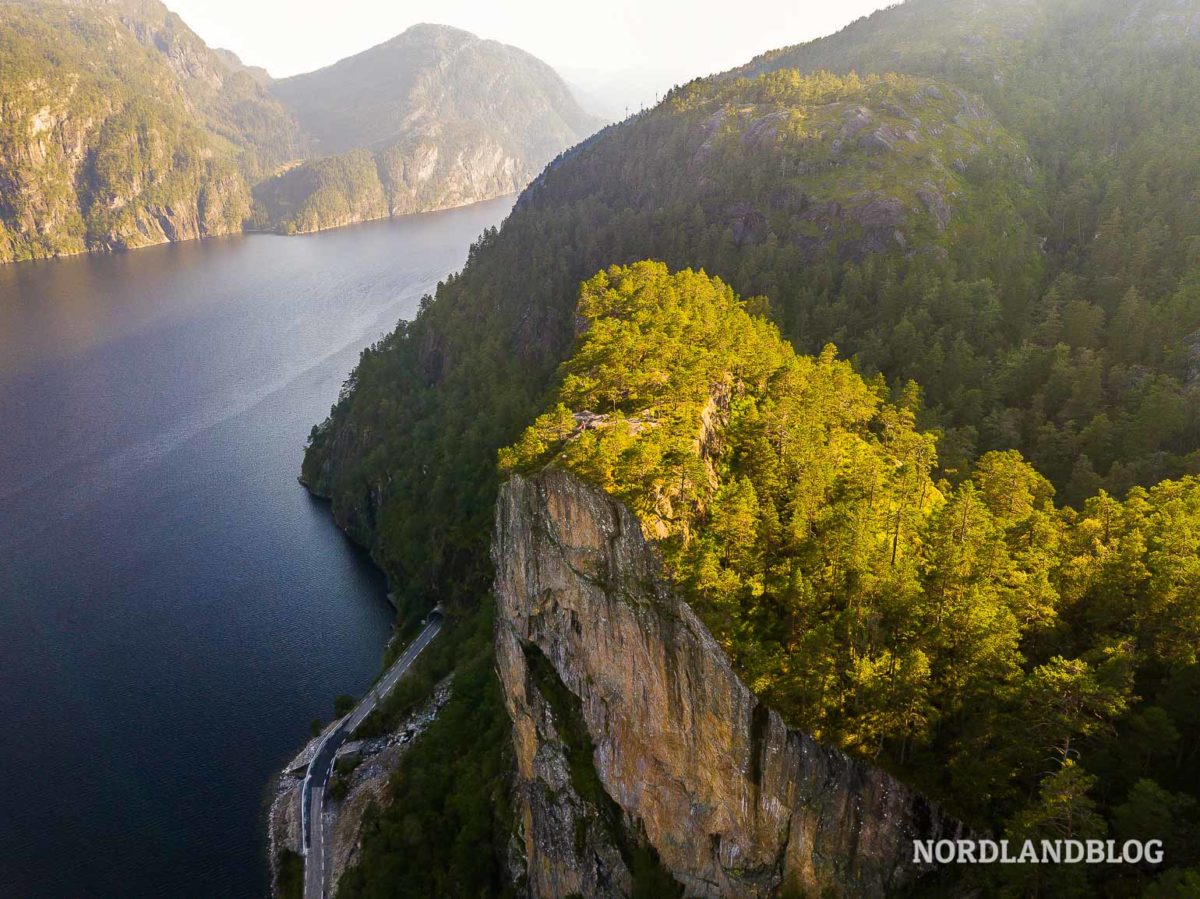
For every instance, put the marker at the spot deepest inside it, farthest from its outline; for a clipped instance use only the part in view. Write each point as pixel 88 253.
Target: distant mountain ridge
pixel 120 128
pixel 448 119
pixel 350 103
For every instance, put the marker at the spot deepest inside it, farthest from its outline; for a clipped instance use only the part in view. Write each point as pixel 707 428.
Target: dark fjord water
pixel 174 607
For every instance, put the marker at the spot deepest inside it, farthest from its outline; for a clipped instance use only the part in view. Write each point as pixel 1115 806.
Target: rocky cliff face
pixel 431 172
pixel 419 174
pixel 631 729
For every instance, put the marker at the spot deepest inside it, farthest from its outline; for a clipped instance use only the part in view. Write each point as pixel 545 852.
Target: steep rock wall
pixel 732 802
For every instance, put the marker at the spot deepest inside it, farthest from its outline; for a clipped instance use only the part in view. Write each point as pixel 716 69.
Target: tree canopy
pixel 987 645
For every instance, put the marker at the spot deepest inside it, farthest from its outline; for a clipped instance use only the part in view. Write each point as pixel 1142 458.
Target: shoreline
pixel 100 252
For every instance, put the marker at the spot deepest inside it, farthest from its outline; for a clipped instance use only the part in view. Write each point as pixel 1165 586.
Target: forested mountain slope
pixel 785 184
pixel 1105 96
pixel 962 635
pixel 1011 231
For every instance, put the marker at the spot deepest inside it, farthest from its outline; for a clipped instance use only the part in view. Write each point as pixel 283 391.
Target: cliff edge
pixel 598 657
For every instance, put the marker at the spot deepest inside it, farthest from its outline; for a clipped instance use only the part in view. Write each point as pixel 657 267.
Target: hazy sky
pixel 680 37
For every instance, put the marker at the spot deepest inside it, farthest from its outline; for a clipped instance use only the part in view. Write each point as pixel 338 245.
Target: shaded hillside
pixel 325 193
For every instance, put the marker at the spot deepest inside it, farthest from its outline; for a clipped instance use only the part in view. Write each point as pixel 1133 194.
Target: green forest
pixel 1027 665
pixel 989 209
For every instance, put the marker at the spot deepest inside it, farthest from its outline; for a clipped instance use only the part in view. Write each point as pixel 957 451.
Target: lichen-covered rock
pixel 732 802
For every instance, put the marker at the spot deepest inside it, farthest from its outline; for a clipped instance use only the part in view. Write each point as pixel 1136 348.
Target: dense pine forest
pixel 1030 666
pixel 990 210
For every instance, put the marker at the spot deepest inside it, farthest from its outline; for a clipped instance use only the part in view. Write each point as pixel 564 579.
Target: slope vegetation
pixel 1026 259
pixel 960 634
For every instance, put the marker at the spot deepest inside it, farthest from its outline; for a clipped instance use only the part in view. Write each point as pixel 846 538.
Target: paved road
pixel 312 792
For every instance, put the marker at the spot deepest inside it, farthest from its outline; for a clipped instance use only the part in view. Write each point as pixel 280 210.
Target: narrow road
pixel 312 791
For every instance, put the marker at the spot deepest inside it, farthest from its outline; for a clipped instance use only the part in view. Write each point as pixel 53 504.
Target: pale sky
pixel 678 38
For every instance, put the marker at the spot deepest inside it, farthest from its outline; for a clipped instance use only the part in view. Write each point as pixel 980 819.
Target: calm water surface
pixel 174 607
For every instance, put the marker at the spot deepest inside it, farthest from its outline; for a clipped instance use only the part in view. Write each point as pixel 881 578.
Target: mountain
pixel 908 621
pixel 989 209
pixel 786 186
pixel 434 74
pixel 121 128
pixel 448 119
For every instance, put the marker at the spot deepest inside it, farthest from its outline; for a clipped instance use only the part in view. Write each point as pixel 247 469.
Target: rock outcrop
pixel 631 728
